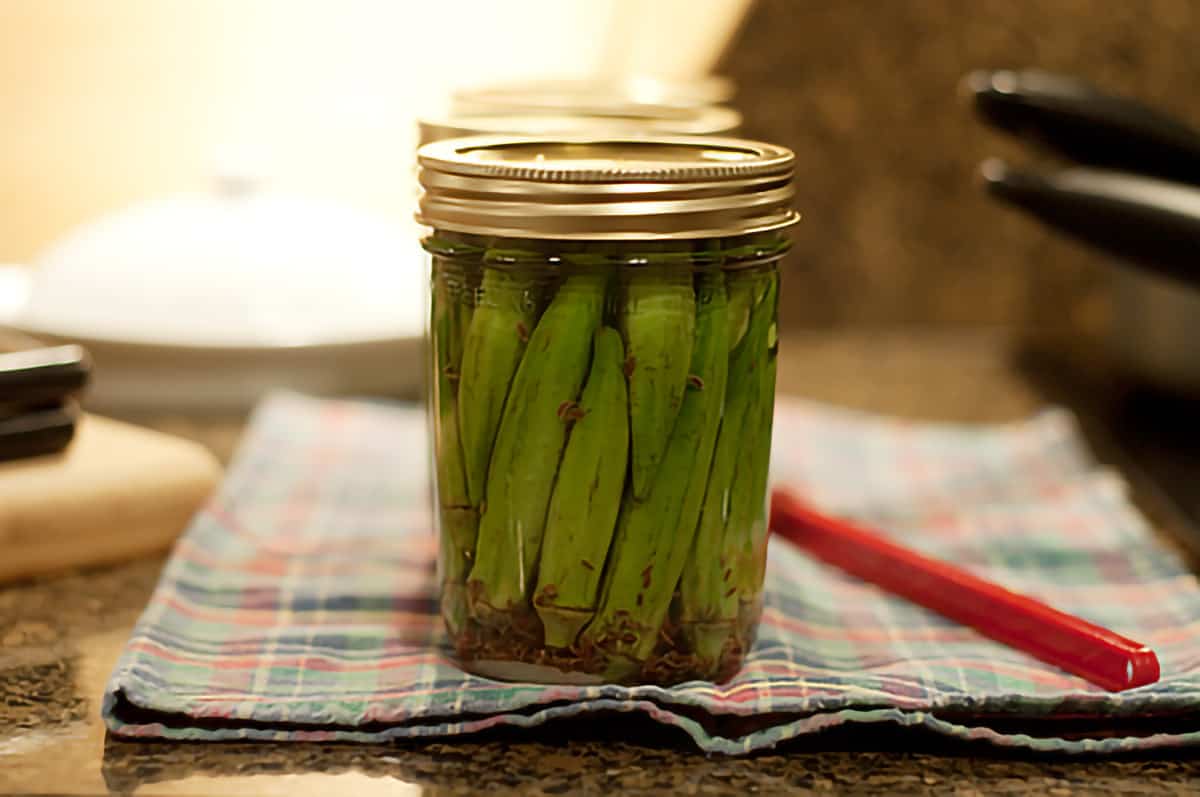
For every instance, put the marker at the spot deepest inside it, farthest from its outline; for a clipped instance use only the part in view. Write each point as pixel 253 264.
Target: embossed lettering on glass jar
pixel 603 347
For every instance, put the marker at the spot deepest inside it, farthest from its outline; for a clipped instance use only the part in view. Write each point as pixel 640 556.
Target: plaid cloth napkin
pixel 300 603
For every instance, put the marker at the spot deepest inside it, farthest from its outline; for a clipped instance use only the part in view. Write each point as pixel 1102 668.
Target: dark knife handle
pixel 1149 223
pixel 45 430
pixel 46 374
pixel 1087 125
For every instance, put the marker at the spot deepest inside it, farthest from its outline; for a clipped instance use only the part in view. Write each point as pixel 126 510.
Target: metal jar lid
pixel 632 120
pixel 605 189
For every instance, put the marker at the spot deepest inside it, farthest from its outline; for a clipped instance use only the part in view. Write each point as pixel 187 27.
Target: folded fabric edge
pixel 124 719
pixel 717 704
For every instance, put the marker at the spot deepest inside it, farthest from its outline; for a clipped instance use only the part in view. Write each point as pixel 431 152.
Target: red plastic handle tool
pixel 1089 651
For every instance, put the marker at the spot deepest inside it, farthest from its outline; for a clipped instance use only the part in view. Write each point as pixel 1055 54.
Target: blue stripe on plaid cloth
pixel 299 605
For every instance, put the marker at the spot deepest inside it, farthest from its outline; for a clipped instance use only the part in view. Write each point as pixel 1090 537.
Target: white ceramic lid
pixel 235 269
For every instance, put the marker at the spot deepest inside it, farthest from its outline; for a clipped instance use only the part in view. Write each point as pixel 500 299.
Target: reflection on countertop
pixel 60 637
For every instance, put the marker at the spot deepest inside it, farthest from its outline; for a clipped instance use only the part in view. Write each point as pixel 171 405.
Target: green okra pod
pixel 459 527
pixel 654 534
pixel 709 590
pixel 755 538
pixel 658 324
pixel 496 339
pixel 741 298
pixel 450 319
pixel 587 495
pixel 541 404
pixel 746 287
pixel 748 516
pixel 451 315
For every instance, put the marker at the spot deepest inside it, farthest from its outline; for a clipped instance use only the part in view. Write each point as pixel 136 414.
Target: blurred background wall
pixel 895 227
pixel 108 103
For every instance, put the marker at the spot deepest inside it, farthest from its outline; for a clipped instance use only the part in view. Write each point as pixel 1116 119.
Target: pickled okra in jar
pixel 602 426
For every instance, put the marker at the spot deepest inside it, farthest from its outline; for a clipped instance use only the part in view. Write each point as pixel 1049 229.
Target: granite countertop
pixel 59 638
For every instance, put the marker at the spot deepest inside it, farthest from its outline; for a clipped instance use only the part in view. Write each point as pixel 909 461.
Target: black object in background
pixel 42 374
pixel 38 430
pixel 1147 221
pixel 38 411
pixel 1136 196
pixel 1086 125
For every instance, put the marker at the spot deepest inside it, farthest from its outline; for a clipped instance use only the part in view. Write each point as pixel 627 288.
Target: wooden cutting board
pixel 117 492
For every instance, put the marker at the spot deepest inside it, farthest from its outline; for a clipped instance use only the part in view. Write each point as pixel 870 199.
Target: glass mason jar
pixel 603 344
